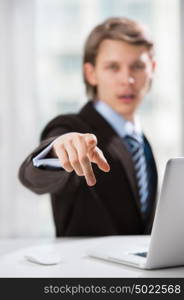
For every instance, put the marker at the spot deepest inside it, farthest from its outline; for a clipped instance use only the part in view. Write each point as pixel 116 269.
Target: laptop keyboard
pixel 142 254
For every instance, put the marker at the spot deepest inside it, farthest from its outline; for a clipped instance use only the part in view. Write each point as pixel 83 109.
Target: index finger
pixel 81 148
pixel 88 173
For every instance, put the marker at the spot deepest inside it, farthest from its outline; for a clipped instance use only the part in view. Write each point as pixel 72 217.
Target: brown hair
pixel 121 29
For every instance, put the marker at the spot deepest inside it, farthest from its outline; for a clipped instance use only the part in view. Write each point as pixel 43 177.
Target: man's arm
pixel 42 179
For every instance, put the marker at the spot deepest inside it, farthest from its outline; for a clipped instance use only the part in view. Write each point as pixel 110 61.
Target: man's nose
pixel 126 77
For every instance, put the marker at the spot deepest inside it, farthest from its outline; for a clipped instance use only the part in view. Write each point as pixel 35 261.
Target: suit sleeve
pixel 43 180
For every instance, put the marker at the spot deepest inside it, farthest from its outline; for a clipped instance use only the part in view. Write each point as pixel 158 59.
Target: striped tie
pixel 137 151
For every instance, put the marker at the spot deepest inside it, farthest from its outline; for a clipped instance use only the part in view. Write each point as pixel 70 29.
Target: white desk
pixel 74 262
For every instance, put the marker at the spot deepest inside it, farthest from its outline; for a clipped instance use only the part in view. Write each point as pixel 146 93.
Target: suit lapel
pixel 118 147
pixel 112 142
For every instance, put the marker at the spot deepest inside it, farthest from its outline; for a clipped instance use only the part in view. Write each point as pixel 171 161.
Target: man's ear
pixel 153 67
pixel 154 64
pixel 90 75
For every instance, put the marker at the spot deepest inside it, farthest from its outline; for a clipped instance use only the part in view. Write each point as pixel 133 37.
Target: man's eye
pixel 113 67
pixel 138 67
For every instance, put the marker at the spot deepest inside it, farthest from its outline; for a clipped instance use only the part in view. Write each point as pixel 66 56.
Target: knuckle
pixel 69 140
pixel 60 139
pixel 83 159
pixel 74 161
pixel 81 137
pixel 81 141
pixel 72 136
pixel 93 137
pixel 66 165
pixel 58 145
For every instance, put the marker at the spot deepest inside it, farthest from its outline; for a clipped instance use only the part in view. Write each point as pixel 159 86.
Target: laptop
pixel 166 243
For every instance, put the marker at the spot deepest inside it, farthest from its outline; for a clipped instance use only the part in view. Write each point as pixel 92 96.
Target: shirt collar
pixel 122 126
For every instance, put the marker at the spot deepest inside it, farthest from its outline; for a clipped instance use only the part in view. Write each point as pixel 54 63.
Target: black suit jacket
pixel 112 206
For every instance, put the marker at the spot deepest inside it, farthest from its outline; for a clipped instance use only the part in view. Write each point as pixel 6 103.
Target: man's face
pixel 122 75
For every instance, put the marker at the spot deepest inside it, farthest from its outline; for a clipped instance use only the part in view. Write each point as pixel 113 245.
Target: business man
pixel 97 164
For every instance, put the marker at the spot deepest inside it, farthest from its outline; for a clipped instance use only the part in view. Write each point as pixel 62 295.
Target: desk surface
pixel 74 260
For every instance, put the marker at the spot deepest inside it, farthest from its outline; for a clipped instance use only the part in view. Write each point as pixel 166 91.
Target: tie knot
pixel 132 138
pixel 133 143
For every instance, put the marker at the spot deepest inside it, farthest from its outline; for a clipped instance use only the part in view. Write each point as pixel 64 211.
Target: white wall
pixel 21 213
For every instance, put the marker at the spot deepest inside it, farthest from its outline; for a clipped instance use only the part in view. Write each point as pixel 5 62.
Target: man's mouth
pixel 127 98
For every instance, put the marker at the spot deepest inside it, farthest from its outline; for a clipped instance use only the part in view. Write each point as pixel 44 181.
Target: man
pixel 97 164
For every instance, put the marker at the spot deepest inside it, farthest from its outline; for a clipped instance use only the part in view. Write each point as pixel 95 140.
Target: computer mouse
pixel 44 258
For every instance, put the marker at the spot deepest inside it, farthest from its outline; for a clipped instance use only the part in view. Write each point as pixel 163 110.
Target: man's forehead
pixel 142 57
pixel 111 50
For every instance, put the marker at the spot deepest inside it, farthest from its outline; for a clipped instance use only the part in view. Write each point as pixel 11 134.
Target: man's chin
pixel 126 113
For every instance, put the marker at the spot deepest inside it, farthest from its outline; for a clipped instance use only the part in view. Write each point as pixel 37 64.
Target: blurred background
pixel 41 44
